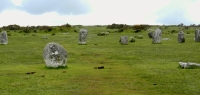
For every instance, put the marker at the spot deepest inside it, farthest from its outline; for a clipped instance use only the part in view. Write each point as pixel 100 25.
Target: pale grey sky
pixel 98 12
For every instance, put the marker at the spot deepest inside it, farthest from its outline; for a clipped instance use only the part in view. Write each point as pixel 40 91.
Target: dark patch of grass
pixel 59 67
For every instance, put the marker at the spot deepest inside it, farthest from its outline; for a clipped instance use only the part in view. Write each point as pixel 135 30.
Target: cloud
pixel 174 12
pixel 36 7
pixel 173 17
pixel 5 4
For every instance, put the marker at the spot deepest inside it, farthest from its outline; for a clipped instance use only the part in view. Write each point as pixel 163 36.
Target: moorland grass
pixel 139 68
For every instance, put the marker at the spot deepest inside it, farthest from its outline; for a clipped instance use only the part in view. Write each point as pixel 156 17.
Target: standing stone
pixel 54 55
pixel 181 38
pixel 123 40
pixel 4 38
pixel 82 36
pixel 157 36
pixel 197 36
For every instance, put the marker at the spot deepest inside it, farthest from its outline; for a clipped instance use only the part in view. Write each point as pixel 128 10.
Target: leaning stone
pixel 186 65
pixel 4 38
pixel 54 55
pixel 197 35
pixel 157 36
pixel 181 38
pixel 82 36
pixel 123 40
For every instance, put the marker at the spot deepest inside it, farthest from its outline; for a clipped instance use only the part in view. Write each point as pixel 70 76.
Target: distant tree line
pixel 122 27
pixel 28 29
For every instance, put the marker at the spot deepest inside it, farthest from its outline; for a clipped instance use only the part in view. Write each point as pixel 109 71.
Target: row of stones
pixel 55 55
pixel 156 37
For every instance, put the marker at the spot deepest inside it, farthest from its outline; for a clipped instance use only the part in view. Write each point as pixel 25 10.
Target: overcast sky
pixel 99 12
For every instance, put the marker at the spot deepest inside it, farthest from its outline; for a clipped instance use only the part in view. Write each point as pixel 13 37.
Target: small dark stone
pixel 101 67
pixel 30 72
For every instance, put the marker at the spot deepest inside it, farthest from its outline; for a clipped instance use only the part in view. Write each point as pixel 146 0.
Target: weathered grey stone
pixel 4 38
pixel 181 38
pixel 197 35
pixel 82 36
pixel 123 40
pixel 157 36
pixel 54 55
pixel 188 64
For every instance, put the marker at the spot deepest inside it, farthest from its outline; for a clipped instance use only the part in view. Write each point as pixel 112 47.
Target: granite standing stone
pixel 123 40
pixel 82 36
pixel 181 38
pixel 54 55
pixel 157 36
pixel 4 38
pixel 197 36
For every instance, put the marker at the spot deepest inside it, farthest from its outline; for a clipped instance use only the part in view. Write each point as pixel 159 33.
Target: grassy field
pixel 139 68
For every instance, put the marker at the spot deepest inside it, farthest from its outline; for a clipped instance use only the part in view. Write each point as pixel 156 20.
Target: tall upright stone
pixel 124 40
pixel 181 38
pixel 197 35
pixel 3 38
pixel 54 55
pixel 157 36
pixel 83 36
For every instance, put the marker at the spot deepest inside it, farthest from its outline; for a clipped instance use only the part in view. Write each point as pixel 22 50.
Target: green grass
pixel 139 68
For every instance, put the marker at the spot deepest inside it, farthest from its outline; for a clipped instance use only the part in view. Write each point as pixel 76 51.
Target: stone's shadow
pixel 59 67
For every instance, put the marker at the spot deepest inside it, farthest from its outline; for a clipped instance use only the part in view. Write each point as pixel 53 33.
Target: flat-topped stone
pixel 156 37
pixel 54 55
pixel 3 38
pixel 123 40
